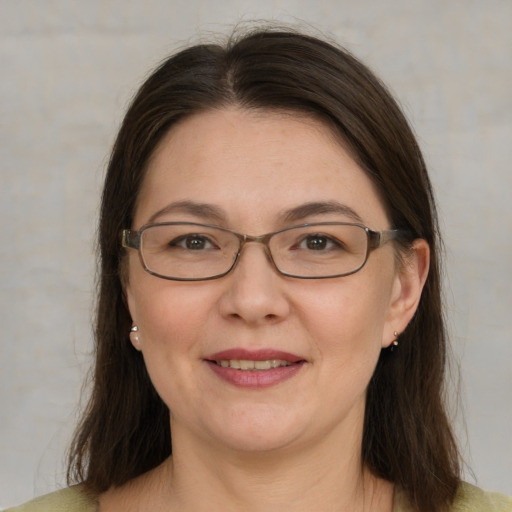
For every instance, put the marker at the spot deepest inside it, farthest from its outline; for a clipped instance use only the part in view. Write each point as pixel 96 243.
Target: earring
pixel 134 337
pixel 394 343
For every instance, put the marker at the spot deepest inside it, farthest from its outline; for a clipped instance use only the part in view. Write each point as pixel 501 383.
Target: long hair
pixel 407 439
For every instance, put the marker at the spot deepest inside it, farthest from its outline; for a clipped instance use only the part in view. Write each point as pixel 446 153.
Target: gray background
pixel 68 69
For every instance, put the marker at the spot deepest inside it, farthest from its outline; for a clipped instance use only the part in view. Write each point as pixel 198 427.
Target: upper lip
pixel 264 354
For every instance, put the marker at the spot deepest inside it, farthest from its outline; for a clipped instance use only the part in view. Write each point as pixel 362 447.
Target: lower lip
pixel 255 379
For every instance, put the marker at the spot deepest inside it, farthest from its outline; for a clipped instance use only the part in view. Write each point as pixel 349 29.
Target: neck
pixel 324 474
pixel 329 477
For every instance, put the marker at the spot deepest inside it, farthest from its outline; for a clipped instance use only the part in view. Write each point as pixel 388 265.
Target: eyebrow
pixel 206 211
pixel 320 208
pixel 214 214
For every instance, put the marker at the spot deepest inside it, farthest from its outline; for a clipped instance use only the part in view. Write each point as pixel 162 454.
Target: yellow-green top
pixel 73 499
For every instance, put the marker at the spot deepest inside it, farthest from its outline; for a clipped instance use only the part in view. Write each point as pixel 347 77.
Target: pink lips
pixel 254 355
pixel 255 379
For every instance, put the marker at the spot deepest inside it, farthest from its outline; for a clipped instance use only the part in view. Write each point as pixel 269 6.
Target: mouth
pixel 248 365
pixel 255 369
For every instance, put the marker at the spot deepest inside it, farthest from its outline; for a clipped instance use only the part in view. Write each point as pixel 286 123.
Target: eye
pixel 319 242
pixel 193 242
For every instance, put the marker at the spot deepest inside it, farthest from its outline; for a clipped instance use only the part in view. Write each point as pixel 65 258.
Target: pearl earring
pixel 394 343
pixel 134 337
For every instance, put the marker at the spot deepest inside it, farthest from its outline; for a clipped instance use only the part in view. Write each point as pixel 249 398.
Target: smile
pixel 244 364
pixel 255 369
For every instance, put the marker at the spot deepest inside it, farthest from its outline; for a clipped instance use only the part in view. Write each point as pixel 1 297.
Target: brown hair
pixel 407 437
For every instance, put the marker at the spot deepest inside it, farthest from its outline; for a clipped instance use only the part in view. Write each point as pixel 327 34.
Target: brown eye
pixel 193 242
pixel 319 242
pixel 316 243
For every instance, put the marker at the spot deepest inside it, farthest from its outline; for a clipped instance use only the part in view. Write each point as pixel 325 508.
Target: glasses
pixel 187 251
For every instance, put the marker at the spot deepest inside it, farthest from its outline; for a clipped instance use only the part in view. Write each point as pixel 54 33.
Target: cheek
pixel 163 309
pixel 167 317
pixel 347 318
pixel 170 326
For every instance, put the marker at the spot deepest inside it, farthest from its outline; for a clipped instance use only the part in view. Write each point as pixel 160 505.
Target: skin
pixel 295 445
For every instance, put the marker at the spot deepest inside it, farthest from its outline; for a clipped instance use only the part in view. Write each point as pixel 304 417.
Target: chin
pixel 253 441
pixel 265 431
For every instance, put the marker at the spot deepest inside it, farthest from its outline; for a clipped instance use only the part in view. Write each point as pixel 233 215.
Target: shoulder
pixel 71 499
pixel 470 498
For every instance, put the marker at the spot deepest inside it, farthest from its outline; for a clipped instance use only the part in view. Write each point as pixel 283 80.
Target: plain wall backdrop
pixel 68 69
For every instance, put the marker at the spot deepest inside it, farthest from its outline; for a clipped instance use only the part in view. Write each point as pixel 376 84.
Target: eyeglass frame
pixel 131 239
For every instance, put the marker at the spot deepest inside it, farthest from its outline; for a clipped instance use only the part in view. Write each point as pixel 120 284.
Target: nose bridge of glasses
pixel 259 239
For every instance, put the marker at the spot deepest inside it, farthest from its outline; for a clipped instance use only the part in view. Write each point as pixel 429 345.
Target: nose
pixel 254 289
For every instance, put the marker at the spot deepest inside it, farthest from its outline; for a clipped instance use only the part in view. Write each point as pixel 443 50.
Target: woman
pixel 269 332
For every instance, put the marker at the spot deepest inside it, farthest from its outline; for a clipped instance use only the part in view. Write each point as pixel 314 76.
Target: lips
pixel 254 368
pixel 247 364
pixel 254 355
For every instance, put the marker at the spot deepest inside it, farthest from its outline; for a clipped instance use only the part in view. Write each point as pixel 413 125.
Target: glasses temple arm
pixel 379 238
pixel 130 239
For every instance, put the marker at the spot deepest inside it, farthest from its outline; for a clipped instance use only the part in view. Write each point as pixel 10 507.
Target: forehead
pixel 253 165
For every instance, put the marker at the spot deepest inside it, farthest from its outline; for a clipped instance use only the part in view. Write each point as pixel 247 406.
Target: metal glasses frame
pixel 132 239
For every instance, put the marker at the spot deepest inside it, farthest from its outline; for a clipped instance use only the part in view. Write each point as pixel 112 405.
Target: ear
pixel 128 299
pixel 407 288
pixel 130 304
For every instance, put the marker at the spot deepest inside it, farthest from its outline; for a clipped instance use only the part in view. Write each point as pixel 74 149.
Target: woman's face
pixel 253 170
